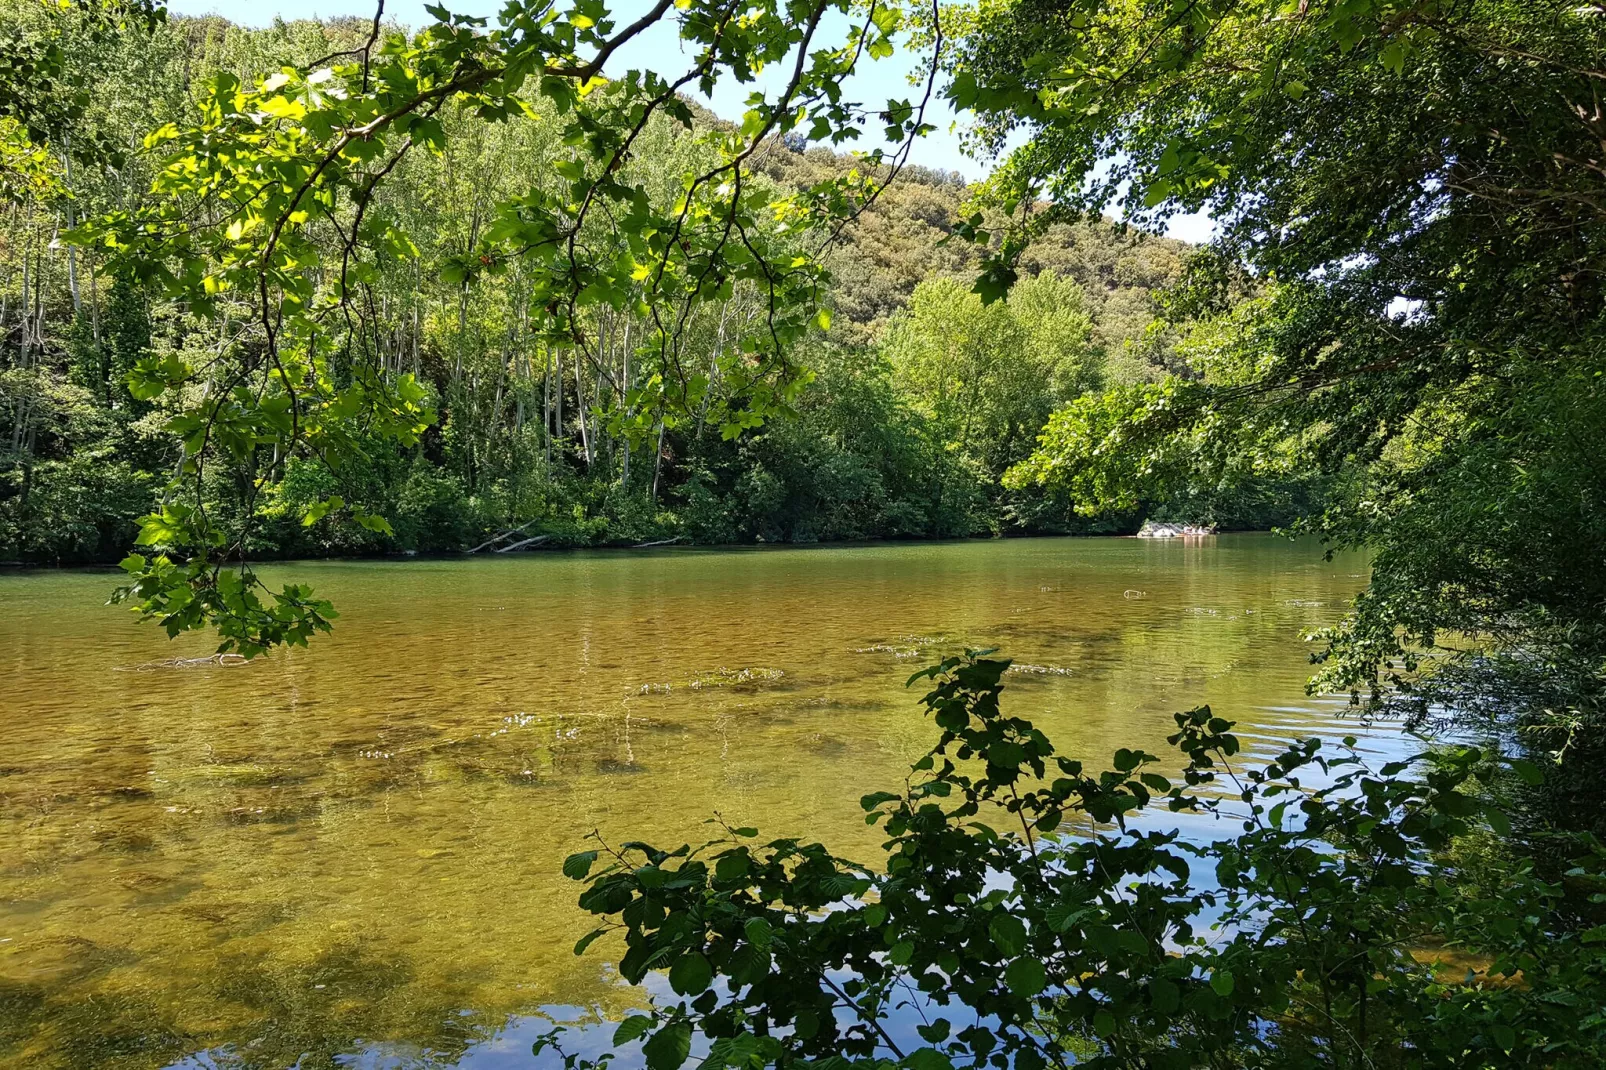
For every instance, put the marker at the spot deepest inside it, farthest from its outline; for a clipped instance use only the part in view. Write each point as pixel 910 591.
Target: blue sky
pixel 659 49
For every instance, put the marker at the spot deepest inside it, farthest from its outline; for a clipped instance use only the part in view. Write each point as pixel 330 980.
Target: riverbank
pixel 549 543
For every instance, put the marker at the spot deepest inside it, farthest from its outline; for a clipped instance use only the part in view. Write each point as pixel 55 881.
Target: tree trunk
pixel 658 461
pixel 72 250
pixel 580 408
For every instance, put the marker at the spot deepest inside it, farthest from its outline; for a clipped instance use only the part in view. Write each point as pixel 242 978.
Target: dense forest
pixel 345 288
pixel 919 398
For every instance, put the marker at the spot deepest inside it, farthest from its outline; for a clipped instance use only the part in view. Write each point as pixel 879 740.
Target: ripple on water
pixel 329 855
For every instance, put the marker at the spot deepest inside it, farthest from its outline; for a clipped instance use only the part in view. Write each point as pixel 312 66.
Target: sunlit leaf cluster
pixel 268 220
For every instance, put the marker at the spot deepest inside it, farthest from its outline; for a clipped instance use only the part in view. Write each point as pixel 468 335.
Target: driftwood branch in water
pixel 538 540
pixel 498 538
pixel 660 542
pixel 225 660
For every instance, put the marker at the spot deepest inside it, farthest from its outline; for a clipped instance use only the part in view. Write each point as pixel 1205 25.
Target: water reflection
pixel 349 856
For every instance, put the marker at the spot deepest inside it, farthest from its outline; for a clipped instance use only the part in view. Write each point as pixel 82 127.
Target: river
pixel 348 855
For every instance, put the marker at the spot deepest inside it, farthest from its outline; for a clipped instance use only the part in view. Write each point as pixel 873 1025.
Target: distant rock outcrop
pixel 1157 530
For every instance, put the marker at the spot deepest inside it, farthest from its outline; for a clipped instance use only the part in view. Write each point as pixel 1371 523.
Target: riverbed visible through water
pixel 349 855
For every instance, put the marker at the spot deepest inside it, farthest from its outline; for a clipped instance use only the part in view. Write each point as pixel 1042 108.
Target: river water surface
pixel 349 855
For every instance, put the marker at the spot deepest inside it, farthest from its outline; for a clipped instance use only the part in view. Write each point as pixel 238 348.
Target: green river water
pixel 349 855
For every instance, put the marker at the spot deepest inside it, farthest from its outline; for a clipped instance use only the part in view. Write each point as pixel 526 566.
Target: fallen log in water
pixel 537 541
pixel 493 540
pixel 224 660
pixel 660 542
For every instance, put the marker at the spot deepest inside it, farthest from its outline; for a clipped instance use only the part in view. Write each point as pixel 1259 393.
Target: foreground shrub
pixel 1032 912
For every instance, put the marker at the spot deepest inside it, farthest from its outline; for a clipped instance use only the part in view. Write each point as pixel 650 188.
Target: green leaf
pixel 758 932
pixel 1008 933
pixel 319 510
pixel 1498 821
pixel 1062 915
pixel 876 798
pixel 1026 977
pixel 1222 982
pixel 1006 755
pixel 372 522
pixel 927 1059
pixel 690 974
pixel 994 281
pixel 732 866
pixel 587 940
pixel 1529 772
pixel 668 1048
pixel 748 965
pixel 158 528
pixel 632 1028
pixel 1393 56
pixel 576 866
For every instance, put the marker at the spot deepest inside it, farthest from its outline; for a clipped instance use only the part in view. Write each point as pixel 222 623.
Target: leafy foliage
pixel 49 56
pixel 575 443
pixel 266 220
pixel 1032 913
pixel 1410 196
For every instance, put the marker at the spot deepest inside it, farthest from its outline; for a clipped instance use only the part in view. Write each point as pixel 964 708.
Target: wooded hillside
pixel 920 398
